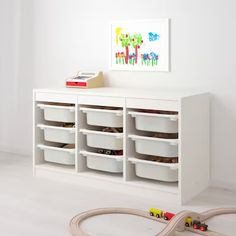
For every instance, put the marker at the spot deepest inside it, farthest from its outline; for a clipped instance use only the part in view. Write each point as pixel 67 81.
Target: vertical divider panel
pixel 81 139
pixel 193 146
pixel 130 151
pixel 37 134
pixel 125 158
pixel 76 138
pixel 34 134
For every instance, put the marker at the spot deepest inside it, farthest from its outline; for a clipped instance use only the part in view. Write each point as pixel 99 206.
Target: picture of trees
pixel 141 45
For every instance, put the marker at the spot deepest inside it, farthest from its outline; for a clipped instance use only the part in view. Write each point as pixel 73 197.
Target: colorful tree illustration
pixel 125 42
pixel 136 41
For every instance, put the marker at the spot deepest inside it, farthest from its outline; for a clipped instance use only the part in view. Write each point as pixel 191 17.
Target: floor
pixel 31 206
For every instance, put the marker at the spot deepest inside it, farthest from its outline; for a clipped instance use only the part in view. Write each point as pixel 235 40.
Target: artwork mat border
pixel 143 69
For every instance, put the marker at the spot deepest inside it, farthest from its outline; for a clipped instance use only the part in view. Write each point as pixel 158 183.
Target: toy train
pixel 189 222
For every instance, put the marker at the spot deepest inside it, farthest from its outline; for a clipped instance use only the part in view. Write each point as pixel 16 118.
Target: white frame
pixel 165 43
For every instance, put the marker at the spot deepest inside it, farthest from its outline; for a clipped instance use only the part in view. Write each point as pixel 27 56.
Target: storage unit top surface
pixel 160 93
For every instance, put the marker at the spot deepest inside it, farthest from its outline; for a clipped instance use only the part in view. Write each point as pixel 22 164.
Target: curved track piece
pixel 218 211
pixel 76 221
pixel 176 224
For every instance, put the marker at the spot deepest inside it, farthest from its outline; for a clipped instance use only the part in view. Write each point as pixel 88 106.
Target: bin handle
pixel 172 166
pixel 85 153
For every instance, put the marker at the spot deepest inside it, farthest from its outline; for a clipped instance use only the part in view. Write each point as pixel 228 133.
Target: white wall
pixel 8 71
pixel 73 34
pixel 15 84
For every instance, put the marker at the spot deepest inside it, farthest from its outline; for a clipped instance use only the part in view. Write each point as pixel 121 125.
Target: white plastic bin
pixel 59 155
pixel 155 146
pixel 58 113
pixel 96 161
pixel 156 171
pixel 155 122
pixel 103 117
pixel 58 134
pixel 106 140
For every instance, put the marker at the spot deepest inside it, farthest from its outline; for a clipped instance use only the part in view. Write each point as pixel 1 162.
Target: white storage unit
pixel 58 134
pixel 58 155
pixel 103 117
pixel 155 122
pixel 185 179
pixel 106 140
pixel 107 163
pixel 58 113
pixel 155 146
pixel 157 171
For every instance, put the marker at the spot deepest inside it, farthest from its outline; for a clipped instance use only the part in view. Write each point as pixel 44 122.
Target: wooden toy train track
pixel 177 223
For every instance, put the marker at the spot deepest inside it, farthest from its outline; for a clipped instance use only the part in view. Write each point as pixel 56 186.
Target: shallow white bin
pixel 58 134
pixel 155 122
pixel 106 140
pixel 58 113
pixel 103 117
pixel 154 170
pixel 155 146
pixel 96 161
pixel 58 155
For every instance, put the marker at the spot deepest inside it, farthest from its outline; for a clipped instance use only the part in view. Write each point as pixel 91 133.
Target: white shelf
pixel 190 120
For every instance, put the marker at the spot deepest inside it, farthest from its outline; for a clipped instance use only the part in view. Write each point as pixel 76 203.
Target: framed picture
pixel 140 45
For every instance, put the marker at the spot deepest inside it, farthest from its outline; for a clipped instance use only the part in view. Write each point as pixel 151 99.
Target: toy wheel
pixel 158 216
pixel 151 214
pixel 195 226
pixel 202 228
pixel 166 218
pixel 187 224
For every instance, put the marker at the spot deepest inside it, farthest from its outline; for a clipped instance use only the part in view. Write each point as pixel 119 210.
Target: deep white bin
pixel 58 134
pixel 155 122
pixel 103 117
pixel 58 155
pixel 106 140
pixel 155 146
pixel 156 171
pixel 96 161
pixel 58 113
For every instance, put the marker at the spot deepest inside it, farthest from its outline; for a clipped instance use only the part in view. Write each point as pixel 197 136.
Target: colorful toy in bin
pixel 110 152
